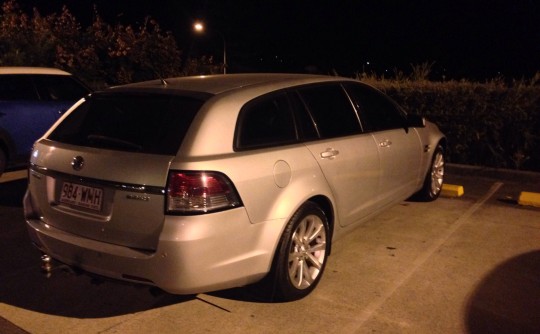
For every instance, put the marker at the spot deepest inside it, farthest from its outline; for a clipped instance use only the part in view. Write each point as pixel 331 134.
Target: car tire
pixel 434 178
pixel 3 161
pixel 301 256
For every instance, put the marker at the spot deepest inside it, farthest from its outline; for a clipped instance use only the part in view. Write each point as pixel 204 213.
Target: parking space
pixel 458 265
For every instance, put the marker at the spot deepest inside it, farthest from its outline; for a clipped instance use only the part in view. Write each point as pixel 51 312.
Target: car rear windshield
pixel 147 123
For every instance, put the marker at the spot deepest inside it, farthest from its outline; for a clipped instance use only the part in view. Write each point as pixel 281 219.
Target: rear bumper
pixel 195 254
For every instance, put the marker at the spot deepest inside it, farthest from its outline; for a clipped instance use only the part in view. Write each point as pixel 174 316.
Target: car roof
pixel 31 70
pixel 216 84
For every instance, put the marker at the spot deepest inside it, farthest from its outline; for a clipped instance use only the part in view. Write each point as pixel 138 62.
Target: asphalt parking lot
pixel 457 265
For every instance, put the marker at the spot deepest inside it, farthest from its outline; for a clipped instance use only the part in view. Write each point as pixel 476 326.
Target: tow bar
pixel 46 265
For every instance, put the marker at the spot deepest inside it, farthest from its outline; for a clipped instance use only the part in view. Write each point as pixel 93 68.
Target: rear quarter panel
pixel 272 182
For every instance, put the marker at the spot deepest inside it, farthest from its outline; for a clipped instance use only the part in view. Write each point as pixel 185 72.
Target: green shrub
pixel 493 124
pixel 100 54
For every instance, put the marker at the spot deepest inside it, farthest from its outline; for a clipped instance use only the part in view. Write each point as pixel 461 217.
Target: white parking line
pixel 372 308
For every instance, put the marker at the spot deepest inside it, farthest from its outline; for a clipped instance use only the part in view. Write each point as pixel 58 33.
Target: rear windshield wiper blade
pixel 107 141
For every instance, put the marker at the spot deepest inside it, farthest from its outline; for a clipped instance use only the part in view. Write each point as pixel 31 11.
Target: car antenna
pixel 163 81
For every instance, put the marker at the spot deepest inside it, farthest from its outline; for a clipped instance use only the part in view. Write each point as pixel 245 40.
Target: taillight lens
pixel 200 192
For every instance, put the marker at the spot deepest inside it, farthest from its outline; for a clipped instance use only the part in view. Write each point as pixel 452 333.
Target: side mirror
pixel 416 121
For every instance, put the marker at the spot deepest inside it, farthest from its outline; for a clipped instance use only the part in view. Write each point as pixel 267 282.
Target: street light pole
pixel 224 53
pixel 199 27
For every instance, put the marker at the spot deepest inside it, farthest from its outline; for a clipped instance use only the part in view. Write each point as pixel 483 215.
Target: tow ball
pixel 46 265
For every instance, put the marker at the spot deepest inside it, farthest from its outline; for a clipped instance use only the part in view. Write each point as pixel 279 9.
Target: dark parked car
pixel 31 100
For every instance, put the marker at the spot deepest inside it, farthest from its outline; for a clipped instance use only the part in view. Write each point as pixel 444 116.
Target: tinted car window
pixel 266 121
pixel 331 110
pixel 59 88
pixel 17 87
pixel 304 122
pixel 41 87
pixel 153 124
pixel 376 111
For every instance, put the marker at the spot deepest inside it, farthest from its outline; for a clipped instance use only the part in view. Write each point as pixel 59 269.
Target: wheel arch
pixel 325 204
pixel 272 282
pixel 443 142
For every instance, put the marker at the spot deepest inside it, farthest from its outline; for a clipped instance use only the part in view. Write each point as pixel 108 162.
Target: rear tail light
pixel 200 192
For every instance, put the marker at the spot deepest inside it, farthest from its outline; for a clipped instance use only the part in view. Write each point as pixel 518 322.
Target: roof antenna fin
pixel 163 81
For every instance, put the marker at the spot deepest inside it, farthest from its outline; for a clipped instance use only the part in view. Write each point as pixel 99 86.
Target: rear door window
pixel 146 123
pixel 331 110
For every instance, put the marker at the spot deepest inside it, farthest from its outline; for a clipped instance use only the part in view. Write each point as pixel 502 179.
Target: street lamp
pixel 199 27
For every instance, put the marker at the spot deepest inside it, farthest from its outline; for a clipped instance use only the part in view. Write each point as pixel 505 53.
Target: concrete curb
pixel 13 176
pixel 529 199
pixel 526 198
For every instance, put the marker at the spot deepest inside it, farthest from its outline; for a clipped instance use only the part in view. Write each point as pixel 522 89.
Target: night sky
pixel 465 39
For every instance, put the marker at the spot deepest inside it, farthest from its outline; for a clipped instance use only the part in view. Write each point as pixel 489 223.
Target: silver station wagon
pixel 205 183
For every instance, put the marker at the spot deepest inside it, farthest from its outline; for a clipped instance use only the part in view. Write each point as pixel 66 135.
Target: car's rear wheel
pixel 434 179
pixel 302 253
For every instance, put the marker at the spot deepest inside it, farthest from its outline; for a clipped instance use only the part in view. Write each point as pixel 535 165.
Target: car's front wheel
pixel 433 182
pixel 302 253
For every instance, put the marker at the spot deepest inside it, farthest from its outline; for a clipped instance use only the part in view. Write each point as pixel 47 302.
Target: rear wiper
pixel 107 141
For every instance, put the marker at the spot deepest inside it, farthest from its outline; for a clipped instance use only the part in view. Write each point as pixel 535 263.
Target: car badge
pixel 77 163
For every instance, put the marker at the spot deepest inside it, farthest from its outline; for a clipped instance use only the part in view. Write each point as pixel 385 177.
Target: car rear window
pixel 146 123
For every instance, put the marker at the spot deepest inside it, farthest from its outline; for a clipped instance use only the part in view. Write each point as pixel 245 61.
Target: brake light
pixel 200 192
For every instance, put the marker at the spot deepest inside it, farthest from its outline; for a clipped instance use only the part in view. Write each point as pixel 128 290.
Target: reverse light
pixel 200 192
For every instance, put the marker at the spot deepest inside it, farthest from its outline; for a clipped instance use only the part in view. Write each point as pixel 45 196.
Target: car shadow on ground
pixel 79 295
pixel 260 292
pixel 66 292
pixel 507 300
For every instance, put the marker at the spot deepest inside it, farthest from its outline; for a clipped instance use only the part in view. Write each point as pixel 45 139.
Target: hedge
pixel 493 124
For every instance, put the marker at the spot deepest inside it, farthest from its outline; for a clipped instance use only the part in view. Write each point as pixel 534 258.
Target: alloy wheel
pixel 308 251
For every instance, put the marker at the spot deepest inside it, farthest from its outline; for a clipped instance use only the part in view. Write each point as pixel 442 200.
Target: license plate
pixel 81 196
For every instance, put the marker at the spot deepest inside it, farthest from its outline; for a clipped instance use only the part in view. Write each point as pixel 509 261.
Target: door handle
pixel 385 143
pixel 330 153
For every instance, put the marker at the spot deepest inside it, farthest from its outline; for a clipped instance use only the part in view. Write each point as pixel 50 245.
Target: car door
pixel 30 104
pixel 348 158
pixel 22 114
pixel 399 146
